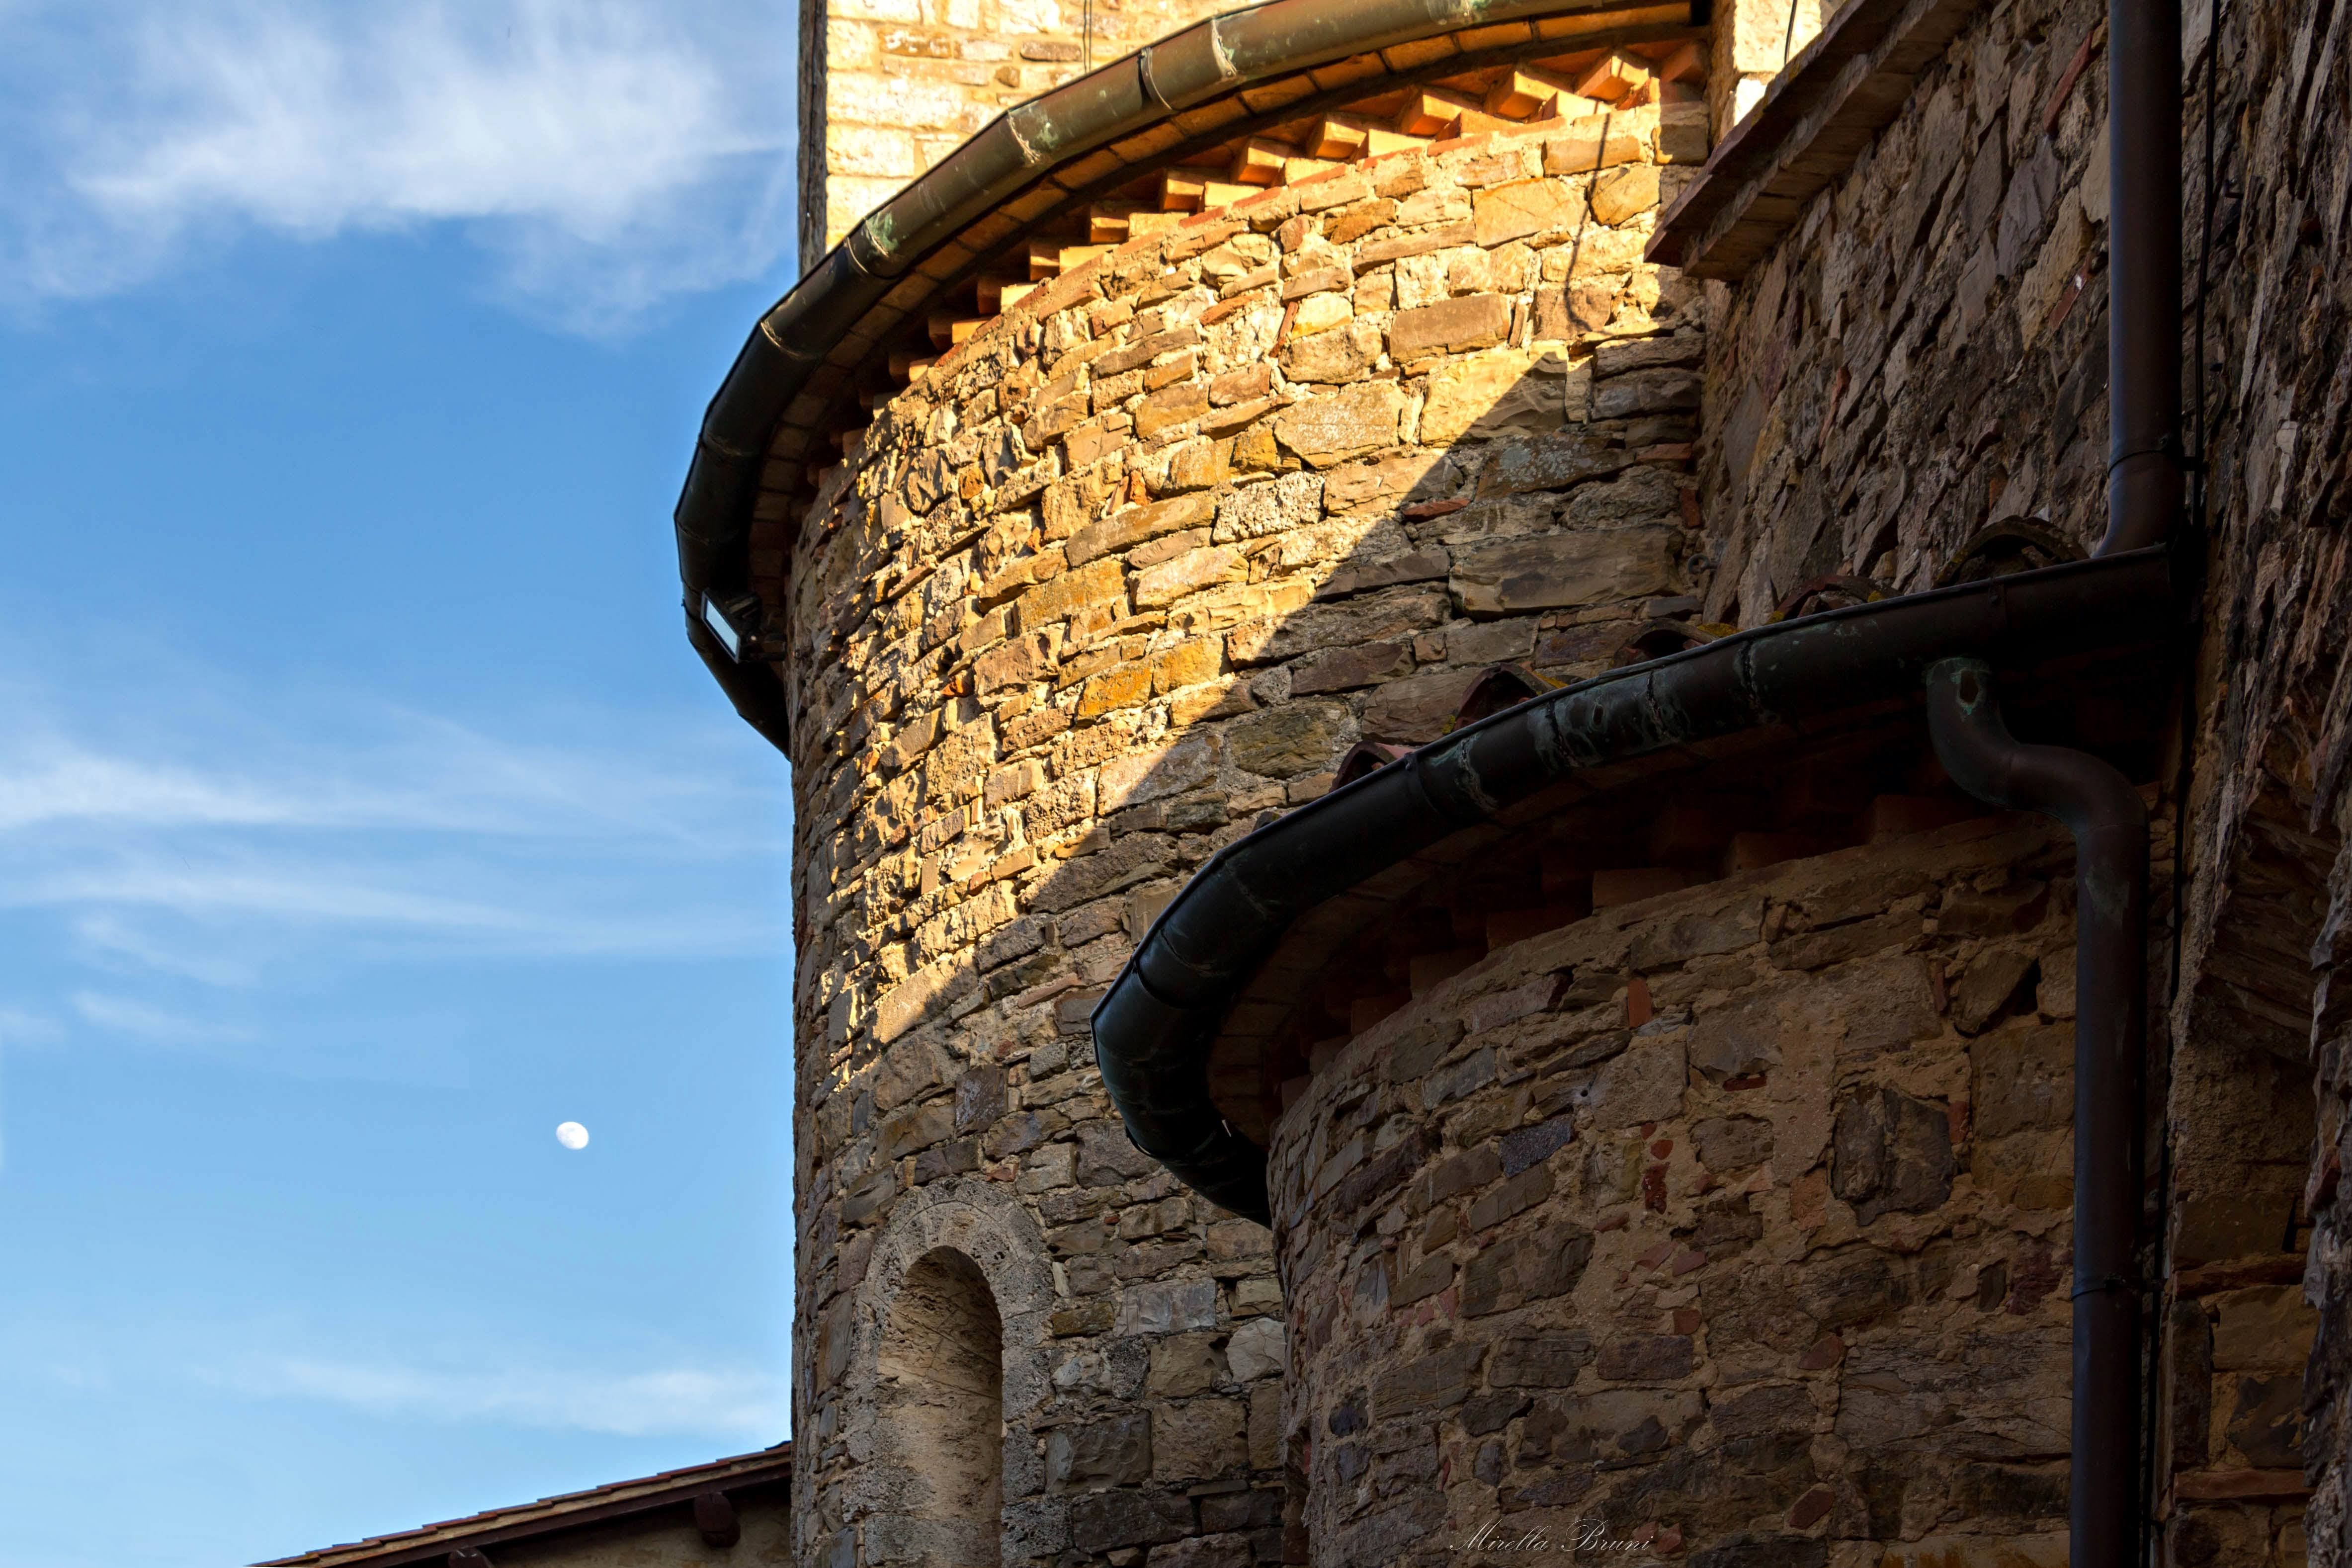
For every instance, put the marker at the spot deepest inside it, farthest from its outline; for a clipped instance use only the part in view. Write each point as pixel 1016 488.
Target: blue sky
pixel 363 813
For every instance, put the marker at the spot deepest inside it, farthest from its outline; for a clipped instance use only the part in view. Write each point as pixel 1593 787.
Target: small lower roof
pixel 567 1510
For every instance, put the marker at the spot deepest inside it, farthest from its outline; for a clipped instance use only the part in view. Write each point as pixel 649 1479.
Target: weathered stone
pixel 1256 1350
pixel 1488 395
pixel 1548 1363
pixel 1185 1364
pixel 1297 737
pixel 1101 1520
pixel 1114 1450
pixel 1133 525
pixel 1637 392
pixel 1450 326
pixel 1740 1039
pixel 1549 463
pixel 2024 1078
pixel 1524 207
pixel 1728 1143
pixel 1625 194
pixel 1193 1439
pixel 1509 1274
pixel 1892 1153
pixel 1429 1382
pixel 1646 1358
pixel 1229 1550
pixel 1189 573
pixel 1335 356
pixel 1259 510
pixel 1562 571
pixel 1986 989
pixel 1360 418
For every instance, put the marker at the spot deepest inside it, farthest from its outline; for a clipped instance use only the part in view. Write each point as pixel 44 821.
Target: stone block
pixel 1639 392
pixel 1101 1520
pixel 1344 669
pixel 1096 582
pixel 1552 1361
pixel 1195 1439
pixel 2024 1077
pixel 2268 1328
pixel 1133 525
pixel 1646 1358
pixel 1592 143
pixel 1331 430
pixel 1185 1364
pixel 1628 193
pixel 1333 358
pixel 1110 1451
pixel 1190 573
pixel 1891 1153
pixel 1549 463
pixel 1524 207
pixel 1508 1274
pixel 1449 327
pixel 1282 742
pixel 1644 1082
pixel 1569 310
pixel 1169 407
pixel 1229 1549
pixel 1500 392
pixel 1432 1381
pixel 1121 687
pixel 1562 572
pixel 1106 1157
pixel 1256 1350
pixel 1887 1004
pixel 1168 1306
pixel 1529 1146
pixel 1728 1143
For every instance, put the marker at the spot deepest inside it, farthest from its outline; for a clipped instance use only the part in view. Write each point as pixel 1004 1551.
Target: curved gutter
pixel 782 371
pixel 1154 1028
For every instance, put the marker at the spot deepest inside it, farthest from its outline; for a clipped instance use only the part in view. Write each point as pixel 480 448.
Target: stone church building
pixel 1569 780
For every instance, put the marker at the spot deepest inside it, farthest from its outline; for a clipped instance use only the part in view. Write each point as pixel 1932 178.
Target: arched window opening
pixel 943 1400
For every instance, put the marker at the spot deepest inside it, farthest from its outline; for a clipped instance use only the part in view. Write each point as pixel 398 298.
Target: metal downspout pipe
pixel 2103 812
pixel 2146 483
pixel 2144 458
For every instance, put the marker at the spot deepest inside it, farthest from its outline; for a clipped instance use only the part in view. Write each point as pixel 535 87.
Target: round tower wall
pixel 1123 573
pixel 1730 1224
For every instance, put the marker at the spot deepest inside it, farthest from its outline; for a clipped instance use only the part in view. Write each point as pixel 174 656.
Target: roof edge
pixel 1156 1026
pixel 1220 56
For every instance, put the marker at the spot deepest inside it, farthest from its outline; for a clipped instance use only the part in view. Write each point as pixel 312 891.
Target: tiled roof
pixel 566 1510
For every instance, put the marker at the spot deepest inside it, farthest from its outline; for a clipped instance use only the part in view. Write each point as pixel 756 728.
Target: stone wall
pixel 1126 570
pixel 891 86
pixel 1732 1223
pixel 2267 922
pixel 1927 351
pixel 1924 356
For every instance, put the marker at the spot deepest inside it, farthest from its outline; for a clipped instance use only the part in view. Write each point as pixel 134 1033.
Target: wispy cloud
pixel 195 865
pixel 605 154
pixel 125 1016
pixel 736 1404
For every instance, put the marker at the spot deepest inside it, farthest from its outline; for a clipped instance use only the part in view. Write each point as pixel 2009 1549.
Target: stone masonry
pixel 1914 386
pixel 889 87
pixel 1733 1219
pixel 1732 1222
pixel 1127 569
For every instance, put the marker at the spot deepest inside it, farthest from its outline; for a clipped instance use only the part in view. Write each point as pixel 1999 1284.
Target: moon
pixel 572 1135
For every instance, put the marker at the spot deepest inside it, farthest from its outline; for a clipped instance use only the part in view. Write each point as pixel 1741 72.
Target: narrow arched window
pixel 941 1406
